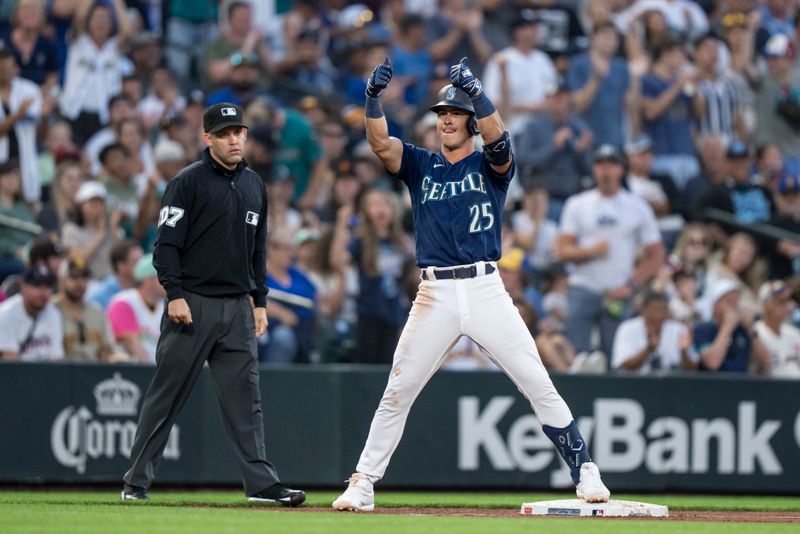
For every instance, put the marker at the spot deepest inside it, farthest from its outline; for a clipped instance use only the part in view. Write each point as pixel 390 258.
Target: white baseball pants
pixel 444 310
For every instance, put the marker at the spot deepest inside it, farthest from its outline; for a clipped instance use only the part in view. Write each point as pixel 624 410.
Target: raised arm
pixel 496 141
pixel 388 149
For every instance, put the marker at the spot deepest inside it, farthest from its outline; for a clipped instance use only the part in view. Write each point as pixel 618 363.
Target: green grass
pixel 221 512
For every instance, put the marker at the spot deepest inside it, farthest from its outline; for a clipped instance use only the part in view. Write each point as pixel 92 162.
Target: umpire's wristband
pixel 373 108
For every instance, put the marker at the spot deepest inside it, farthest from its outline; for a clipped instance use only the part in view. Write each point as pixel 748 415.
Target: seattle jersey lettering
pixel 438 191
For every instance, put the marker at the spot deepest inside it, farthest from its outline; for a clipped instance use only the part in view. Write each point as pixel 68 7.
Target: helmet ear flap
pixel 472 125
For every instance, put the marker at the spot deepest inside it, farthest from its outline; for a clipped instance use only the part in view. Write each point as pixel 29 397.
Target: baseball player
pixel 457 206
pixel 210 255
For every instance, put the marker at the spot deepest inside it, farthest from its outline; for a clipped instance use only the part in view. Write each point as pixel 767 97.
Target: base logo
pixel 78 435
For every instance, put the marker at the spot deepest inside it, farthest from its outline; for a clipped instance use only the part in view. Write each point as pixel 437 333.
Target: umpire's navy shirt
pixel 212 232
pixel 457 208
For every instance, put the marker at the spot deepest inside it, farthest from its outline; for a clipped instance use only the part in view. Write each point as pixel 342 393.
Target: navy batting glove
pixel 379 79
pixel 461 76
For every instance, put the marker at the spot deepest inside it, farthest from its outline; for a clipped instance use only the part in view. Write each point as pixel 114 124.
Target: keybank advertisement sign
pixel 694 434
pixel 80 434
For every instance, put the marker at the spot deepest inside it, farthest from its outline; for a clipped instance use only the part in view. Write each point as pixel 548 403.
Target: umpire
pixel 210 254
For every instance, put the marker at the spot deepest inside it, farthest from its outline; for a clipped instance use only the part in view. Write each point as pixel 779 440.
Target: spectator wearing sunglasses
pixel 87 335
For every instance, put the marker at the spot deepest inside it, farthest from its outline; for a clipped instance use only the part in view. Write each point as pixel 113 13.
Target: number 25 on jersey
pixel 481 217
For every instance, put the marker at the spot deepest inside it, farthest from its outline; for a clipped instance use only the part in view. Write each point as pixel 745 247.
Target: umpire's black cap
pixel 453 97
pixel 221 116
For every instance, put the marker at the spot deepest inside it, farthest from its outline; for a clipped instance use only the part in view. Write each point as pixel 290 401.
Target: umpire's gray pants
pixel 223 333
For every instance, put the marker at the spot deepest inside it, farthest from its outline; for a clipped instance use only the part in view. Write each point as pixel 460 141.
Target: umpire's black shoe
pixel 281 493
pixel 133 493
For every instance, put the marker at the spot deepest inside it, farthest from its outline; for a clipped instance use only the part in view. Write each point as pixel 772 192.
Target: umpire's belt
pixel 457 273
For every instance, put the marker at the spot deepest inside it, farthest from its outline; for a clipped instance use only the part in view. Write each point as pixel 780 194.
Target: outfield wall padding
pixel 72 423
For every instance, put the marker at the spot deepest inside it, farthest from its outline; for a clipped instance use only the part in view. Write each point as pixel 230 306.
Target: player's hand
pixel 260 317
pixel 379 79
pixel 461 76
pixel 179 312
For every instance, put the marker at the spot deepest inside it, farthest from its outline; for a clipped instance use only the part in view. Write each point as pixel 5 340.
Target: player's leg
pixel 496 325
pixel 181 352
pixel 234 366
pixel 432 327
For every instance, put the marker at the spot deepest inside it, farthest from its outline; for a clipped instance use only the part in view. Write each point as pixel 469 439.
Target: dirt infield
pixel 720 517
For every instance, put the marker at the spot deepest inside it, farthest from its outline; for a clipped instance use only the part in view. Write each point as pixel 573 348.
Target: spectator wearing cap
pixel 652 341
pixel 784 259
pixel 20 110
pixel 280 187
pixel 87 335
pixel 737 195
pixel 124 257
pixel 92 73
pixel 45 250
pixel 602 232
pixel 668 105
pixel 553 150
pixel 241 87
pixel 458 29
pixel 299 150
pixel 307 69
pixel 658 190
pixel 61 205
pixel 779 336
pixel 516 77
pixel 776 19
pixel 719 103
pixel 291 301
pixel 726 342
pixel 135 314
pixel 93 232
pixel 30 327
pixel 239 38
pixel 16 222
pixel 777 102
pixel 146 57
pixel 600 81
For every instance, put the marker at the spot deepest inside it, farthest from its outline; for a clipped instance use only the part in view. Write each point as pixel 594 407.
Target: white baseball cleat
pixel 358 497
pixel 591 487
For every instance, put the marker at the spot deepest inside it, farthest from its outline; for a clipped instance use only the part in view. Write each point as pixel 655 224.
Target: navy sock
pixel 571 446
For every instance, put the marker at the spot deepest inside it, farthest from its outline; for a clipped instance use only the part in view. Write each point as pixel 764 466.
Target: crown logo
pixel 117 396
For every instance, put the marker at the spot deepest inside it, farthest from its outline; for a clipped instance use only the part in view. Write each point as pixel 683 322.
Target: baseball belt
pixel 457 273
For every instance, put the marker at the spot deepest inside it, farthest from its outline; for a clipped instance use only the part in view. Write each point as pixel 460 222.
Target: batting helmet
pixel 453 97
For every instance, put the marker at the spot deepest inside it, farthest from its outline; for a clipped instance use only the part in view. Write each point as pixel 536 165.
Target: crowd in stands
pixel 653 223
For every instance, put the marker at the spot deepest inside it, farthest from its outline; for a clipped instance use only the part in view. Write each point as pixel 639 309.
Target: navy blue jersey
pixel 457 208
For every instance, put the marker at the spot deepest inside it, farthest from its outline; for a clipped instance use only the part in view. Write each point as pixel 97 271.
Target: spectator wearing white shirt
pixel 516 77
pixel 92 73
pixel 30 327
pixel 135 314
pixel 602 231
pixel 779 336
pixel 533 231
pixel 20 107
pixel 651 341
